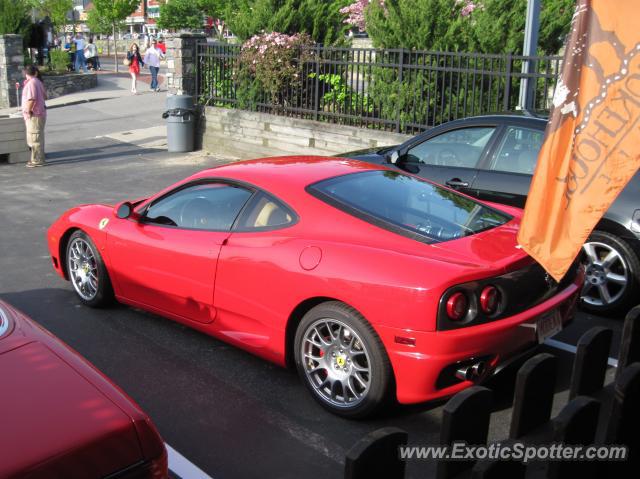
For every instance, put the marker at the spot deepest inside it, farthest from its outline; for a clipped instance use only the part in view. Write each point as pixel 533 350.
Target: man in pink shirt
pixel 34 112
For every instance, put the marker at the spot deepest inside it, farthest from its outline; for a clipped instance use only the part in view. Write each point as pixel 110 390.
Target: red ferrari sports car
pixel 372 282
pixel 61 418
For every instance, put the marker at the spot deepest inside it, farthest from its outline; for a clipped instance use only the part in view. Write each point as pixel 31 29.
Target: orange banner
pixel 592 142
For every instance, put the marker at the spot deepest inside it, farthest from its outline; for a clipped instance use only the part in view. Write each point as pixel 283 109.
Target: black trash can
pixel 181 121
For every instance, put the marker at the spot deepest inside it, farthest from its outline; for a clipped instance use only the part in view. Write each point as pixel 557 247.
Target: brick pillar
pixel 181 62
pixel 11 64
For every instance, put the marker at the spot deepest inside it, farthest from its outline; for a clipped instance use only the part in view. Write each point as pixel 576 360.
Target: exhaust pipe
pixel 471 372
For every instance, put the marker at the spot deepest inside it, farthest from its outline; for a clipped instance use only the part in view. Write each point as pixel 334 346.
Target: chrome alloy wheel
pixel 83 269
pixel 607 274
pixel 336 362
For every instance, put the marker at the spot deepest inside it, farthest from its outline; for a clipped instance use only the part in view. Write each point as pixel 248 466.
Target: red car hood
pixel 54 419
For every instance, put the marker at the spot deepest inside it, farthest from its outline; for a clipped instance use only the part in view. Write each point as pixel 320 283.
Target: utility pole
pixel 530 48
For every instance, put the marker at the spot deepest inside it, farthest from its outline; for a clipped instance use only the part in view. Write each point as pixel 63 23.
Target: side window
pixel 518 150
pixel 209 206
pixel 265 212
pixel 462 147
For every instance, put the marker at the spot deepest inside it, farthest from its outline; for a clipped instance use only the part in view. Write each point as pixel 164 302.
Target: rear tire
pixel 612 273
pixel 342 361
pixel 87 272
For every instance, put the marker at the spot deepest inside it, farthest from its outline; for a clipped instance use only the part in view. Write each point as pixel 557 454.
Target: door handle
pixel 457 183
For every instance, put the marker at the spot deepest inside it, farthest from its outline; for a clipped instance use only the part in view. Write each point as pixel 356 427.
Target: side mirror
pixel 405 162
pixel 123 210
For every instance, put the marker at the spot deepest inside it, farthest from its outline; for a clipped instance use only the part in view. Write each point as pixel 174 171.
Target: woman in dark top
pixel 135 63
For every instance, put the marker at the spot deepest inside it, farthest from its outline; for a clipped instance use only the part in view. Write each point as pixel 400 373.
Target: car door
pixel 506 174
pixel 166 258
pixel 451 158
pixel 251 268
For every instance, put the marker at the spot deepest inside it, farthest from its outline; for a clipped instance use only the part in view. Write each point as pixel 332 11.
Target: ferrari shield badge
pixel 103 223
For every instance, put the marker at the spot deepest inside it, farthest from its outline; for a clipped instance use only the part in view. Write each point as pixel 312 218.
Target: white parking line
pixel 184 468
pixel 572 349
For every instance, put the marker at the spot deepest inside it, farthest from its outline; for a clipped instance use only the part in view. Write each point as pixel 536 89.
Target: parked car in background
pixel 374 283
pixel 63 418
pixel 493 158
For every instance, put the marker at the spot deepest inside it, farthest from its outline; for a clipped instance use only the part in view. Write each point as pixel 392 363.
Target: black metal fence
pixel 396 90
pixel 594 415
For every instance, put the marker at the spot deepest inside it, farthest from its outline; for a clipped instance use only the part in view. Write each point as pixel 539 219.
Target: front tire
pixel 612 272
pixel 342 361
pixel 87 271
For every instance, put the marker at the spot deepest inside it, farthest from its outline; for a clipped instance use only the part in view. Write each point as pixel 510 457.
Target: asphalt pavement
pixel 231 414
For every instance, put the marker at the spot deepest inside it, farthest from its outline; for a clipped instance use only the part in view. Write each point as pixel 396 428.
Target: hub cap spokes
pixel 336 362
pixel 606 276
pixel 83 269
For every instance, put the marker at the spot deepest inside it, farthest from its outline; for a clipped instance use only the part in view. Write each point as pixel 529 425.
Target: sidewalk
pixel 110 85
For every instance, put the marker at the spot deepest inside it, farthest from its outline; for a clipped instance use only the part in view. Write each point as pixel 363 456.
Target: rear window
pixel 407 205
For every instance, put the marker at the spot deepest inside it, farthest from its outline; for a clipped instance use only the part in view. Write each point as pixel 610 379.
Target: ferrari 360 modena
pixel 374 283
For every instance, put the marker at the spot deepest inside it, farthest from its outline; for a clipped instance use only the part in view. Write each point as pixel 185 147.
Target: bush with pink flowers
pixel 272 63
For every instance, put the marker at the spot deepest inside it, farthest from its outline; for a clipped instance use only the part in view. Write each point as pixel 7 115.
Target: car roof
pixel 278 174
pixel 521 115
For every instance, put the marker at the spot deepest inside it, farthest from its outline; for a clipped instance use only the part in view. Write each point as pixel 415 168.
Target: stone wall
pixel 252 135
pixel 181 62
pixel 11 63
pixel 58 85
pixel 13 143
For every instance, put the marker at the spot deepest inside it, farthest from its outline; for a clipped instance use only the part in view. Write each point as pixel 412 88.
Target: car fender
pixel 92 219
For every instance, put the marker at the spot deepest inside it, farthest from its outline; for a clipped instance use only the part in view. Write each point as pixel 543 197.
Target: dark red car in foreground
pixel 373 282
pixel 61 418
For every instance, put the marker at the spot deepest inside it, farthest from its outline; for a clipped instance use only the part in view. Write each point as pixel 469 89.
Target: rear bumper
pixel 426 371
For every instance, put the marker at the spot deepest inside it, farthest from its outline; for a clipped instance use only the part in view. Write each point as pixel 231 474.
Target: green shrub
pixel 59 60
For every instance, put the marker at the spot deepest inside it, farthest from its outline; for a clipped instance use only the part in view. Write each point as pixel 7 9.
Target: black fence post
pixel 316 84
pixel 624 421
pixel 376 455
pixel 630 343
pixel 400 80
pixel 506 103
pixel 465 418
pixel 576 424
pixel 499 469
pixel 533 397
pixel 590 363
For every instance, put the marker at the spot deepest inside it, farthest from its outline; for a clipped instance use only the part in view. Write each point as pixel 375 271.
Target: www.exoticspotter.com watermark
pixel 516 451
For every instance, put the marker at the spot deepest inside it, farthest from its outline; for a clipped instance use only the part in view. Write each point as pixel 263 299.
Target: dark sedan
pixel 493 158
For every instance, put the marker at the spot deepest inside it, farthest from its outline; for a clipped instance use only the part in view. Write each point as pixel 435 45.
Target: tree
pixel 485 26
pixel 416 24
pixel 111 12
pixel 214 8
pixel 14 17
pixel 56 10
pixel 321 19
pixel 178 14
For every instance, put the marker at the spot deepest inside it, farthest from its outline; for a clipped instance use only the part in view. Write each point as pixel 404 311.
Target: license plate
pixel 548 325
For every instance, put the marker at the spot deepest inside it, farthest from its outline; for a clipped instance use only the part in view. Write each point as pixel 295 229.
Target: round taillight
pixel 457 306
pixel 489 299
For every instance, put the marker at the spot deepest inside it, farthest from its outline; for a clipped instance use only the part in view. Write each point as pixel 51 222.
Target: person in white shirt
pixel 152 57
pixel 91 54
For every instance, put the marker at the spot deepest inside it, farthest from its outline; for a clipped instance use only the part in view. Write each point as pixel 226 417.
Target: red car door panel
pixel 166 268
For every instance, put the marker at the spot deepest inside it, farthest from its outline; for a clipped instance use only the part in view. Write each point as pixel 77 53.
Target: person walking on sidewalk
pixel 152 58
pixel 34 112
pixel 81 61
pixel 135 62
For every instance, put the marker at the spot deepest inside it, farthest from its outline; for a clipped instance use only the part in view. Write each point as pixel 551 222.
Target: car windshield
pixel 407 205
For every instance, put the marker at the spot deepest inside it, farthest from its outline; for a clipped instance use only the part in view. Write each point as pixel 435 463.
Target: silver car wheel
pixel 607 274
pixel 83 269
pixel 336 363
